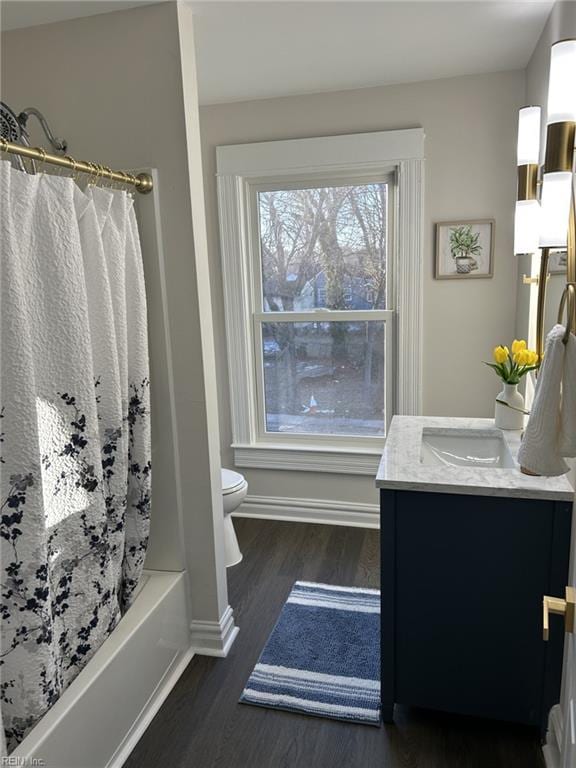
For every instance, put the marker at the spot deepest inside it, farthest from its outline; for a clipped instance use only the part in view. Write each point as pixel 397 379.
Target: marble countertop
pixel 401 467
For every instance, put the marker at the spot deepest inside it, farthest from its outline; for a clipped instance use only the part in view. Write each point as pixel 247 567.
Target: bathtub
pixel 100 717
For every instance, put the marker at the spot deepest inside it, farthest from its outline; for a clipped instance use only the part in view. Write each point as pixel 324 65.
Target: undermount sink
pixel 465 448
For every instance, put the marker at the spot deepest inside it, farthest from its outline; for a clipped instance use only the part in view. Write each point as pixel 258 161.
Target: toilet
pixel 234 490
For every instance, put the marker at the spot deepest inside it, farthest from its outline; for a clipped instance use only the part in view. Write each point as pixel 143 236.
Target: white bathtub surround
pixel 551 432
pixel 100 717
pixel 401 466
pixel 509 408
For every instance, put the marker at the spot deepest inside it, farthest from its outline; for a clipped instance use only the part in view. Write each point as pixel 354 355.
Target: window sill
pixel 308 458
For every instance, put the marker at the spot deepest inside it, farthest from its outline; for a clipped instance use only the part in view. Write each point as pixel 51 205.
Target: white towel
pixel 540 451
pixel 568 408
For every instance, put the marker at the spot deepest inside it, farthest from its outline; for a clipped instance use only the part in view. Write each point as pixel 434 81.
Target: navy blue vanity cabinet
pixel 463 579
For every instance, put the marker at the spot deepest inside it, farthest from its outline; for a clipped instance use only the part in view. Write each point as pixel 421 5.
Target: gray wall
pixel 113 84
pixel 470 126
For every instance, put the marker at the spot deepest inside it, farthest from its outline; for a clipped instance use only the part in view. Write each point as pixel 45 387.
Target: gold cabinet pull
pixel 566 608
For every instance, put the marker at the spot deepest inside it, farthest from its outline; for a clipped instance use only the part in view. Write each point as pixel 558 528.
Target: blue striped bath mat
pixel 323 656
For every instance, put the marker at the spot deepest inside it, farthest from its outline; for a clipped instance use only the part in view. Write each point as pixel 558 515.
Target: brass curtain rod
pixel 142 182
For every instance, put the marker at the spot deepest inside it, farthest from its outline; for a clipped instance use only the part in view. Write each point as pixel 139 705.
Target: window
pixel 321 242
pixel 320 345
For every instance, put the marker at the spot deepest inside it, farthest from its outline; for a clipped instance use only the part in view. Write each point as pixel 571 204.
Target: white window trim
pixel 241 165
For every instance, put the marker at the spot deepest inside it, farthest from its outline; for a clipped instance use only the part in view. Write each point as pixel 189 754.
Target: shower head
pixel 10 127
pixel 12 130
pixel 13 127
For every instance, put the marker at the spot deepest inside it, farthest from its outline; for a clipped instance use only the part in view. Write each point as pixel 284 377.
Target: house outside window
pixel 323 352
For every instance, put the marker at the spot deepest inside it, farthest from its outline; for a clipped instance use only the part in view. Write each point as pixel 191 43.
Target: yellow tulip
pixel 500 354
pixel 526 357
pixel 518 345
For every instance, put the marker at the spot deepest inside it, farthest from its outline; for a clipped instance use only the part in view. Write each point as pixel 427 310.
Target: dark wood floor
pixel 201 725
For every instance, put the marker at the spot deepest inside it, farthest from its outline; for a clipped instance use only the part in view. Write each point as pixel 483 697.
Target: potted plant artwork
pixel 464 246
pixel 464 249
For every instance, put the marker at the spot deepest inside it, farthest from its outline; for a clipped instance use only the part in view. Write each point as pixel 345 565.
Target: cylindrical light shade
pixel 527 227
pixel 562 84
pixel 528 135
pixel 556 192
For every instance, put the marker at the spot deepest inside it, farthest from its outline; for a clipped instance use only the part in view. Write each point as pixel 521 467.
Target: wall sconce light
pixel 527 219
pixel 550 223
pixel 561 131
pixel 556 190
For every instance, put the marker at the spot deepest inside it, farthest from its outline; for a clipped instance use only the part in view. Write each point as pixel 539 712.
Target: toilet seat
pixel 231 481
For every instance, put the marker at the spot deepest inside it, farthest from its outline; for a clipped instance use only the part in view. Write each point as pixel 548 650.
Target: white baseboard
pixel 554 738
pixel 150 710
pixel 214 638
pixel 322 511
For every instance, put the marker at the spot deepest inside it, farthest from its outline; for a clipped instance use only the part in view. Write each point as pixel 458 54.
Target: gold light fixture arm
pixel 541 301
pixel 528 182
pixel 142 182
pixel 566 608
pixel 560 147
pixel 571 252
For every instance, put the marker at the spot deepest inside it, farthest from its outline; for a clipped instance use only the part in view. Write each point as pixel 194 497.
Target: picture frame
pixel 557 262
pixel 464 249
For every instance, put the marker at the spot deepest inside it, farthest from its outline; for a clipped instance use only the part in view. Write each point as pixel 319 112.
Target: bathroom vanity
pixel 470 546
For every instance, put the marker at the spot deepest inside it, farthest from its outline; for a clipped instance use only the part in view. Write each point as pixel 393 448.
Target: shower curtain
pixel 74 432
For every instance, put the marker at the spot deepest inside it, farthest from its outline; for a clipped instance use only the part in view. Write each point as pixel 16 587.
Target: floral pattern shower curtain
pixel 74 432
